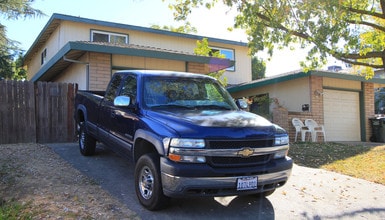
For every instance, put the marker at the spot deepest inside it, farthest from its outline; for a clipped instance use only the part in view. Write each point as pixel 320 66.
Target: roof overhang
pixel 74 50
pixel 300 74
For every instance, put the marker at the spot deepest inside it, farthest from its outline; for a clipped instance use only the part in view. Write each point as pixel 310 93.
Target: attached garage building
pixel 342 102
pixel 342 115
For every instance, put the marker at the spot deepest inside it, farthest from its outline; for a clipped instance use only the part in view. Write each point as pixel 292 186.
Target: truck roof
pixel 165 73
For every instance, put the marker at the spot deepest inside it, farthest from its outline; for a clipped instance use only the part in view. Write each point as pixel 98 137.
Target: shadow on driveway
pixel 115 175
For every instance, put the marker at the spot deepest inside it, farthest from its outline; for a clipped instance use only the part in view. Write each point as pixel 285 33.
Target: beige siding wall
pixel 52 47
pixel 73 31
pixel 147 63
pixel 76 73
pixel 291 94
pixel 341 83
pixel 242 71
pixel 243 61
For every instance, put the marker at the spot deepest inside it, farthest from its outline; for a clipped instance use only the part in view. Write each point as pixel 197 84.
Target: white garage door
pixel 342 115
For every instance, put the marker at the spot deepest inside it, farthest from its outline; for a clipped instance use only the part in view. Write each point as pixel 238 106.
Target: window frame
pixel 109 34
pixel 232 68
pixel 43 56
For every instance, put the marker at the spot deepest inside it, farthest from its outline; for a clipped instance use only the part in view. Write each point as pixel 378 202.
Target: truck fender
pixel 152 138
pixel 82 109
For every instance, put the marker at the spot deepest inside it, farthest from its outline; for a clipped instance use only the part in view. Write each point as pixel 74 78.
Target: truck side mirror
pixel 241 103
pixel 122 101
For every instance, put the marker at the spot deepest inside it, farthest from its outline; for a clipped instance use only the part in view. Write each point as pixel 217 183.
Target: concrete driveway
pixel 309 193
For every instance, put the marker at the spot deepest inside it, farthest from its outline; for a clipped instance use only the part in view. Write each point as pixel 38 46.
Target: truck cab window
pixel 112 88
pixel 129 88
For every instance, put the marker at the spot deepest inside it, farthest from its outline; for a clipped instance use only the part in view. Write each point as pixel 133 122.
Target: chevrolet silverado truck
pixel 186 136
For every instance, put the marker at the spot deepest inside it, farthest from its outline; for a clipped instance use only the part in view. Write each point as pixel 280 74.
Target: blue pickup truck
pixel 186 136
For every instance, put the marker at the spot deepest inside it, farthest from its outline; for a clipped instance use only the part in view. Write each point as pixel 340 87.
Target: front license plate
pixel 247 183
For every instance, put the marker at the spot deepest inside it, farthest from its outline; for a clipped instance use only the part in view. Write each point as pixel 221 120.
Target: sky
pixel 209 23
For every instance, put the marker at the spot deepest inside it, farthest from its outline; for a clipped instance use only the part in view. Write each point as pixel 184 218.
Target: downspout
pixel 87 69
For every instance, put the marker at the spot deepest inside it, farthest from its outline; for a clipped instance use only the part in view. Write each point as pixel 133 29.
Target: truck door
pixel 106 108
pixel 124 119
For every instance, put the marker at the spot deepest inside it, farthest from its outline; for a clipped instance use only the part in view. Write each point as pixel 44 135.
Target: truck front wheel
pixel 87 144
pixel 148 186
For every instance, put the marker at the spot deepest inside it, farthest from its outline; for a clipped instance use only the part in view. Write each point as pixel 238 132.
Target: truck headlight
pixel 281 140
pixel 187 143
pixel 182 150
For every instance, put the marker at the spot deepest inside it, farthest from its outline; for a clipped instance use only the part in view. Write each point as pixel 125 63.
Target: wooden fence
pixel 41 112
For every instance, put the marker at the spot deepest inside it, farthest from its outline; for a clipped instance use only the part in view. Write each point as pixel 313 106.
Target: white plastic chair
pixel 315 128
pixel 300 128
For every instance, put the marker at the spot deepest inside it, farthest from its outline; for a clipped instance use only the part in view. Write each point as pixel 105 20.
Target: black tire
pixel 148 184
pixel 87 144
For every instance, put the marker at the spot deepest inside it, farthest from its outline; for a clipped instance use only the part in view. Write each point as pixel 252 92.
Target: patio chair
pixel 315 128
pixel 300 128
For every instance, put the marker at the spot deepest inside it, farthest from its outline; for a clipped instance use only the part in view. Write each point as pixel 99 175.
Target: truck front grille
pixel 239 161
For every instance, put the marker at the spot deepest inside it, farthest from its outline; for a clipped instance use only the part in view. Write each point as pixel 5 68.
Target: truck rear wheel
pixel 148 185
pixel 87 144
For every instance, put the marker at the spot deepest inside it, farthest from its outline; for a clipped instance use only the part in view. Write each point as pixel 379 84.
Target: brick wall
pixel 281 117
pixel 99 71
pixel 368 90
pixel 316 100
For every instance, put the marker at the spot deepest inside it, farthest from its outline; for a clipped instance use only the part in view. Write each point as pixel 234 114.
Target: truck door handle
pixel 113 114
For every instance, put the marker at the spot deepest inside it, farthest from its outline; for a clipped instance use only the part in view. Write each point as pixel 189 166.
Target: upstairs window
pixel 43 56
pixel 101 36
pixel 228 53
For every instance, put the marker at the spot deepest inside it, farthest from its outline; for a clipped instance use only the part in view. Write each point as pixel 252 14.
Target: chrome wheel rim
pixel 146 182
pixel 82 138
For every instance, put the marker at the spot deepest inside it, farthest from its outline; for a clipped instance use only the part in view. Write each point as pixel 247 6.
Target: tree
pixel 258 68
pixel 19 73
pixel 352 31
pixel 186 28
pixel 11 10
pixel 202 48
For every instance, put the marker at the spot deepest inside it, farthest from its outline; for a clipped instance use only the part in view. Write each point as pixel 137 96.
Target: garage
pixel 342 115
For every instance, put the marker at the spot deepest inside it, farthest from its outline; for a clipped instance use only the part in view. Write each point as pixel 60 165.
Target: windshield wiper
pixel 167 106
pixel 214 107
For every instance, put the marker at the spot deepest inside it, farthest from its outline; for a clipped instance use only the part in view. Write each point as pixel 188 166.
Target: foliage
pixel 14 210
pixel 12 10
pixel 359 161
pixel 258 68
pixel 186 28
pixel 202 48
pixel 352 31
pixel 19 73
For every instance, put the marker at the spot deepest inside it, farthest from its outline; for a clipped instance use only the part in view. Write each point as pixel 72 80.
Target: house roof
pixel 73 50
pixel 299 74
pixel 56 19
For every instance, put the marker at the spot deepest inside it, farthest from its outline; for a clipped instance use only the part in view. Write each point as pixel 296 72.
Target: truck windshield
pixel 186 93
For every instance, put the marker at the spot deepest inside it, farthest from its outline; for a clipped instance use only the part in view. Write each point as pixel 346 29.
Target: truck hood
pixel 207 121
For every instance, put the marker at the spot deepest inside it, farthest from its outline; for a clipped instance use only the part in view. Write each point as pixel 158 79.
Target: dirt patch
pixel 50 188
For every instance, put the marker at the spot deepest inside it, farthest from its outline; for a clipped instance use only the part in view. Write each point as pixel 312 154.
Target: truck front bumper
pixel 221 182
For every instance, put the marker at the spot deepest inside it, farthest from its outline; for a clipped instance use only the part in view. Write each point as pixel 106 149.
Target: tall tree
pixel 258 68
pixel 352 31
pixel 12 10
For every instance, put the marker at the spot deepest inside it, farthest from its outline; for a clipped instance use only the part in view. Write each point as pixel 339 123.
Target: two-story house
pixel 87 52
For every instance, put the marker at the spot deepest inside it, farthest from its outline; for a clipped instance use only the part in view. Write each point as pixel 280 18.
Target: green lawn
pixel 358 161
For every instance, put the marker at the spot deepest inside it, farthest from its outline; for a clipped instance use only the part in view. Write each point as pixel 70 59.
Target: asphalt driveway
pixel 309 193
